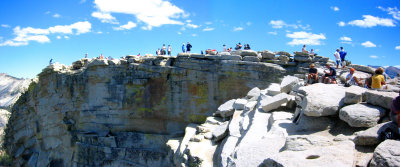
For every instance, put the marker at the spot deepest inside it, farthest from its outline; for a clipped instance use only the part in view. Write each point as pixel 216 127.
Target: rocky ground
pixel 289 124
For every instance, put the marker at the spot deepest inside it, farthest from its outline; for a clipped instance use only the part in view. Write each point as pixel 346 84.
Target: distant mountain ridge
pixel 11 88
pixel 391 71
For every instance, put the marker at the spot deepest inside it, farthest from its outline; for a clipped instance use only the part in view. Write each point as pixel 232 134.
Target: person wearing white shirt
pixel 337 56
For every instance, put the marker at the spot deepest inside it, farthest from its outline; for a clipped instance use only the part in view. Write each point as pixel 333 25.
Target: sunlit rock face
pixel 122 112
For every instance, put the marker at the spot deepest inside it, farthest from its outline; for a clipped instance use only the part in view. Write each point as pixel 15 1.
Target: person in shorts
pixel 329 77
pixel 312 75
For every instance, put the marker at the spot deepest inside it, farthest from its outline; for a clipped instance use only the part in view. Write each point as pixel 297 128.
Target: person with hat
pixel 312 74
pixel 351 79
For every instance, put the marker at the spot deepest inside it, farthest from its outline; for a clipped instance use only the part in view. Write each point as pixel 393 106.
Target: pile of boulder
pixel 289 124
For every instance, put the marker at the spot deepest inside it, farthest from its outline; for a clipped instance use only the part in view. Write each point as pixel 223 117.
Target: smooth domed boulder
pixel 267 55
pixel 361 115
pixel 322 99
pixel 288 83
pixel 386 154
pixel 248 53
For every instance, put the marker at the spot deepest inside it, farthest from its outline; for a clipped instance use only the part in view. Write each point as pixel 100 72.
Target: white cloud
pixel 58 37
pixel 56 15
pixel 397 48
pixel 273 33
pixel 105 17
pixel 66 37
pixel 277 23
pixel 24 35
pixel 188 21
pixel 5 25
pixel 192 25
pixel 127 26
pixel 373 56
pixel 208 29
pixel 344 38
pixel 154 13
pixel 341 24
pixel 237 28
pixel 372 21
pixel 368 44
pixel 391 11
pixel 335 8
pixel 305 38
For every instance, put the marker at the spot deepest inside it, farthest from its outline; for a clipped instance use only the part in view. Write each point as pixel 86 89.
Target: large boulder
pixel 231 57
pixel 320 59
pixel 363 68
pixel 98 62
pixel 288 83
pixel 322 99
pixel 274 102
pixel 378 98
pixel 220 132
pixel 268 55
pixel 355 94
pixel 226 109
pixel 224 53
pixel 239 104
pixel 370 137
pixel 387 154
pixel 253 94
pixel 302 58
pixel 361 115
pixel 251 58
pixel 248 53
pixel 273 89
pixel 283 53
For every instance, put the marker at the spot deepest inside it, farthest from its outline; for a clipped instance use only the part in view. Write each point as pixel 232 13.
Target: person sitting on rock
pixel 238 46
pixel 351 79
pixel 392 131
pixel 378 79
pixel 395 112
pixel 304 50
pixel 312 75
pixel 329 77
pixel 312 53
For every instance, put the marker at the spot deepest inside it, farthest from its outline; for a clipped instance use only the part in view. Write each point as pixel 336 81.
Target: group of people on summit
pixel 376 81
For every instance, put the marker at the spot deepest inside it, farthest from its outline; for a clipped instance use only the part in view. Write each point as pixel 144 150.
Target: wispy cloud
pixel 305 38
pixel 5 25
pixel 56 15
pixel 341 23
pixel 105 17
pixel 344 38
pixel 372 21
pixel 368 44
pixel 192 25
pixel 335 8
pixel 127 26
pixel 237 28
pixel 208 29
pixel 373 57
pixel 25 35
pixel 282 24
pixel 153 13
pixel 391 11
pixel 273 33
pixel 397 48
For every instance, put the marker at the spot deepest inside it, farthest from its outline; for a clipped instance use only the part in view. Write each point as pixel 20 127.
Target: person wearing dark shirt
pixel 343 54
pixel 329 77
pixel 188 47
pixel 312 75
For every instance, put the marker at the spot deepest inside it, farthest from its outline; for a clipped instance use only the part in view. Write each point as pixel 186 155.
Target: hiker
pixel 230 49
pixel 238 46
pixel 188 47
pixel 378 79
pixel 202 52
pixel 169 50
pixel 51 62
pixel 163 49
pixel 329 77
pixel 304 50
pixel 337 57
pixel 343 54
pixel 246 47
pixel 351 79
pixel 101 56
pixel 86 55
pixel 312 75
pixel 224 47
pixel 312 53
pixel 183 47
pixel 158 52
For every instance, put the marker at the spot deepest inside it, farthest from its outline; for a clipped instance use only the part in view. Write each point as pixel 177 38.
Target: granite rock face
pixel 122 112
pixel 11 88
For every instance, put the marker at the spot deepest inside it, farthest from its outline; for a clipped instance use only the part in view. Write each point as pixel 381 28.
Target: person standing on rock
pixel 337 57
pixel 169 50
pixel 188 47
pixel 224 47
pixel 183 48
pixel 342 54
pixel 329 77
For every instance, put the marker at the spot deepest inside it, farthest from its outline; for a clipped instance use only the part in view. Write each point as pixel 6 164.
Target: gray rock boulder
pixel 98 62
pixel 283 58
pixel 251 58
pixel 283 53
pixel 239 104
pixel 253 94
pixel 322 99
pixel 224 53
pixel 355 94
pixel 363 68
pixel 387 154
pixel 231 57
pixel 288 83
pixel 220 132
pixel 370 137
pixel 248 53
pixel 302 58
pixel 226 109
pixel 361 115
pixel 274 89
pixel 267 55
pixel 378 98
pixel 274 102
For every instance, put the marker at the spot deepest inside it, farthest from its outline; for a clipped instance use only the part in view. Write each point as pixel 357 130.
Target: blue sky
pixel 33 32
